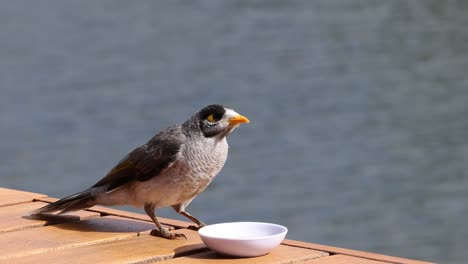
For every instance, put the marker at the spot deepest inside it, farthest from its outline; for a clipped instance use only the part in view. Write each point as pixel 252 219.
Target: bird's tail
pixel 75 202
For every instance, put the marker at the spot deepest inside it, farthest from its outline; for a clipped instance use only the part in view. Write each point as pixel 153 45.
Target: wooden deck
pixel 105 235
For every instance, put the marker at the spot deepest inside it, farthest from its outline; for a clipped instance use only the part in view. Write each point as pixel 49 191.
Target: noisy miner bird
pixel 171 169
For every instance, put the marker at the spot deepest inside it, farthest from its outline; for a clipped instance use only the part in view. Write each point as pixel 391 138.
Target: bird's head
pixel 219 121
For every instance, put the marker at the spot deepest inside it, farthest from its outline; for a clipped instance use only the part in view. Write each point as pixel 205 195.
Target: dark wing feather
pixel 147 161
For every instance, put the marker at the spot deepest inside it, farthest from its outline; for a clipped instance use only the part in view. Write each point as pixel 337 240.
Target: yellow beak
pixel 238 119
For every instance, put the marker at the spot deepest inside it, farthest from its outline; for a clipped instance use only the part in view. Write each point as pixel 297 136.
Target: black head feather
pixel 216 110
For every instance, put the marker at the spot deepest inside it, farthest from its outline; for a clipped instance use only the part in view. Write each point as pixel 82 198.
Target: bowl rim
pixel 284 231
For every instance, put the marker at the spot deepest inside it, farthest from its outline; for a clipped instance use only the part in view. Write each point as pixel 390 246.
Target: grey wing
pixel 147 161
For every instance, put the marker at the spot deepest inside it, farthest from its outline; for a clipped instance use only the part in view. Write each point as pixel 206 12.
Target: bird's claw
pixel 194 228
pixel 166 234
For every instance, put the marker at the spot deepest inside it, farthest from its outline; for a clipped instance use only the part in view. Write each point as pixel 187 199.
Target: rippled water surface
pixel 359 109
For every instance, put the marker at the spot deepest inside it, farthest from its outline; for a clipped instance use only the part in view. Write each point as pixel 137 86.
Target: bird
pixel 171 169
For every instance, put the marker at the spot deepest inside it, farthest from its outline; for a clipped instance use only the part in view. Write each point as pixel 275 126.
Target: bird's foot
pixel 166 234
pixel 196 228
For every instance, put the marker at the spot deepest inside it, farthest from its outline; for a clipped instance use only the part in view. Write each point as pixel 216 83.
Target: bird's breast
pixel 205 158
pixel 195 167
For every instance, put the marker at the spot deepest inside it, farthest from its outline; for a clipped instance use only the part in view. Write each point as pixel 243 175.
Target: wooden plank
pixel 74 234
pixel 123 237
pixel 115 212
pixel 9 196
pixel 281 254
pixel 350 252
pixel 142 249
pixel 343 259
pixel 16 217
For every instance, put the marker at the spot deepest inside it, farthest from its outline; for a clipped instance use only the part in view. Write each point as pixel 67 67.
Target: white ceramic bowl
pixel 243 239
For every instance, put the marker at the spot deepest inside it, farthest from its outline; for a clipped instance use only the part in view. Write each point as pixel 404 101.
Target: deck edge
pixel 351 252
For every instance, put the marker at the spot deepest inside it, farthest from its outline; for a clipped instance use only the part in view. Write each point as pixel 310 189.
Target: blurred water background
pixel 359 109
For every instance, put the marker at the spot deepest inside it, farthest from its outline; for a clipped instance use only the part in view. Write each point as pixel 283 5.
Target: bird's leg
pixel 181 210
pixel 160 232
pixel 199 223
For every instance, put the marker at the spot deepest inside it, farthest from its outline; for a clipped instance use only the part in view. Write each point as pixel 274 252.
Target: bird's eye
pixel 211 118
pixel 214 117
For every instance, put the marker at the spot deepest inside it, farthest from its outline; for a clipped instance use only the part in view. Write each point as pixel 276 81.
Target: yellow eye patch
pixel 215 117
pixel 211 118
